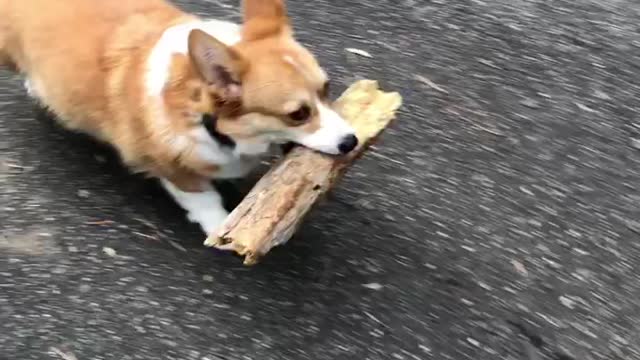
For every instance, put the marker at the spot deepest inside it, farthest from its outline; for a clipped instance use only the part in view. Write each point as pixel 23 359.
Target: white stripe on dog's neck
pixel 174 41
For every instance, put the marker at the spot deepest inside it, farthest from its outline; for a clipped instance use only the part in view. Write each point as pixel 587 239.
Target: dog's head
pixel 267 88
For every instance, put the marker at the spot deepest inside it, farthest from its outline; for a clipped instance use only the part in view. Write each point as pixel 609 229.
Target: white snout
pixel 334 136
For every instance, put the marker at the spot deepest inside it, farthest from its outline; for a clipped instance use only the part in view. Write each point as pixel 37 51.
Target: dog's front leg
pixel 203 207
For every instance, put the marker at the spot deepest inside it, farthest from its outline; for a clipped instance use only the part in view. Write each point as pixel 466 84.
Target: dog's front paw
pixel 209 220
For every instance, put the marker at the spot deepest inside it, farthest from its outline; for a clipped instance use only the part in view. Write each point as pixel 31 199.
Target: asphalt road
pixel 497 219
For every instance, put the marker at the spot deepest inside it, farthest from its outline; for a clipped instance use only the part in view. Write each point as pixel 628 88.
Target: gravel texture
pixel 497 219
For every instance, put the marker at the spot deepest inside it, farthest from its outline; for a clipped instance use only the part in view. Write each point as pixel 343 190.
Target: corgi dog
pixel 182 99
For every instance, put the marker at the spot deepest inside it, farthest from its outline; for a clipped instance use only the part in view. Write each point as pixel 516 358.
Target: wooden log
pixel 276 206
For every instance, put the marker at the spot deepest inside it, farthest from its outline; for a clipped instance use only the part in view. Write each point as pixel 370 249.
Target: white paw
pixel 191 218
pixel 209 220
pixel 204 208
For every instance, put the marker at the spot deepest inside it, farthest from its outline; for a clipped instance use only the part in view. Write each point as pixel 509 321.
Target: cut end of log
pixel 273 210
pixel 221 242
pixel 367 108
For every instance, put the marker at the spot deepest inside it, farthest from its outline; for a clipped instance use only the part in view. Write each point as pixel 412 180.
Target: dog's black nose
pixel 347 144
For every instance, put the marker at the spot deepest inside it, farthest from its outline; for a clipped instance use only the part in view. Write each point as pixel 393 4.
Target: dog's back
pixel 80 45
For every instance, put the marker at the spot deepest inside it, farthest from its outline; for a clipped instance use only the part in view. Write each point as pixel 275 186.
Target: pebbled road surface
pixel 498 219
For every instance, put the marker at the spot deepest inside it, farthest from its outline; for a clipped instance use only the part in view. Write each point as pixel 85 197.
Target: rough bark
pixel 276 206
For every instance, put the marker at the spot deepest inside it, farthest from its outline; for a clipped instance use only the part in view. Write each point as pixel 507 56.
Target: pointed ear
pixel 263 18
pixel 218 64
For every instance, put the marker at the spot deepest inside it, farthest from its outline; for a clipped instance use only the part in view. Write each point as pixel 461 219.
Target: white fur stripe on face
pixel 332 131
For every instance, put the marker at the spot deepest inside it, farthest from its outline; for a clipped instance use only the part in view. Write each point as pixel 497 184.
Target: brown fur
pixel 87 60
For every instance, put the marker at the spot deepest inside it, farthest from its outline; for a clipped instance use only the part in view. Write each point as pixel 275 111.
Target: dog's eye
pixel 301 115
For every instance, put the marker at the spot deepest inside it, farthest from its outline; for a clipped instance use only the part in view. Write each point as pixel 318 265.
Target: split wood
pixel 276 206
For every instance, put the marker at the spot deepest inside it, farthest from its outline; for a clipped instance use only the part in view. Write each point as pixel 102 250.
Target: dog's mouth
pixel 345 148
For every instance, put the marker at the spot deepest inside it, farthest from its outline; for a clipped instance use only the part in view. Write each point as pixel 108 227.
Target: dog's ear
pixel 218 64
pixel 264 18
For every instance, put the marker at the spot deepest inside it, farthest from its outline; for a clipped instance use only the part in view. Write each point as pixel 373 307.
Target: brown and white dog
pixel 182 99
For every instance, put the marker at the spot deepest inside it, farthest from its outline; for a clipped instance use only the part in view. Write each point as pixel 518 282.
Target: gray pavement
pixel 497 219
